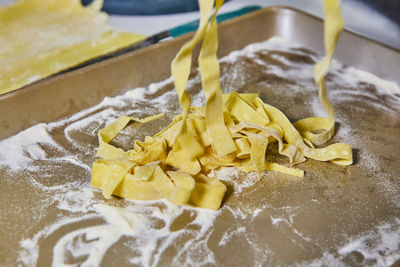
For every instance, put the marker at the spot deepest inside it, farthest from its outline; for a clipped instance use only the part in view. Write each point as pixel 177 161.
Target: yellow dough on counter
pixel 39 38
pixel 232 130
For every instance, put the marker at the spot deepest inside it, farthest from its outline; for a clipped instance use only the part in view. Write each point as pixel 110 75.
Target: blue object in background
pixel 193 25
pixel 147 7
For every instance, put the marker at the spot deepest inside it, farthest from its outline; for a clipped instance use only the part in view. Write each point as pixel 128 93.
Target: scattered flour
pixel 231 174
pixel 380 247
pixel 228 235
pixel 384 240
pixel 18 151
pixel 151 224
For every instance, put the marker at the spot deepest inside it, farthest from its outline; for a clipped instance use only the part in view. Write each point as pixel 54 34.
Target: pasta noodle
pixel 233 130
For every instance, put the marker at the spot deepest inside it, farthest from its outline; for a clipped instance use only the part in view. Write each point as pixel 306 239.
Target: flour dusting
pixel 70 223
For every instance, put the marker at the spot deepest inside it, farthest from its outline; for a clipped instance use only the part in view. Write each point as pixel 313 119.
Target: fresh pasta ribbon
pixel 232 130
pixel 318 130
pixel 178 171
pixel 180 66
pixel 108 151
pixel 210 79
pixel 209 68
pixel 333 25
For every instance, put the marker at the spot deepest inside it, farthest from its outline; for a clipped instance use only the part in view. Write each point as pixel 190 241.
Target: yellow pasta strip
pixel 333 25
pixel 243 147
pixel 200 126
pixel 177 158
pixel 220 137
pixel 135 189
pixel 144 172
pixel 107 151
pixel 291 151
pixel 258 147
pixel 185 185
pixel 337 153
pixel 317 130
pixel 272 166
pixel 242 111
pixel 110 131
pixel 153 149
pixel 162 183
pixel 112 171
pixel 95 5
pixel 249 98
pixel 180 66
pixel 169 134
pixel 232 130
pixel 208 192
pixel 248 166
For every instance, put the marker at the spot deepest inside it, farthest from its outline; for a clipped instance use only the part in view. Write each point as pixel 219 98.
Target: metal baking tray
pixel 287 222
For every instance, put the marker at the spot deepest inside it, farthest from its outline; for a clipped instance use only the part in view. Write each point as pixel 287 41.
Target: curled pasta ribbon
pixel 319 130
pixel 178 171
pixel 146 172
pixel 233 130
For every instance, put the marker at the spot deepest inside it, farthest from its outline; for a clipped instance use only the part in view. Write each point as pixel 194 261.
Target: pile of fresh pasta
pixel 234 130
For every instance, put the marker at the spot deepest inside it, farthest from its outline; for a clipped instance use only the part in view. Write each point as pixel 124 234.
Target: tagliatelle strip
pixel 218 133
pixel 333 25
pixel 233 130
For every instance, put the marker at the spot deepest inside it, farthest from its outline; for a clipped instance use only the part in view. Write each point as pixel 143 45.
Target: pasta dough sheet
pixel 39 38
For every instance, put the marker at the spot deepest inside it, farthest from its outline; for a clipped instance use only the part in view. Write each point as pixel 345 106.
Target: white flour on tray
pixel 149 228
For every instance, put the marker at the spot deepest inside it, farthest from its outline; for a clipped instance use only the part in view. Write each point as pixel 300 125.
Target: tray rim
pixel 76 74
pixel 110 60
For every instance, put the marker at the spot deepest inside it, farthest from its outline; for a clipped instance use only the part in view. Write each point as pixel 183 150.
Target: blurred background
pixel 377 19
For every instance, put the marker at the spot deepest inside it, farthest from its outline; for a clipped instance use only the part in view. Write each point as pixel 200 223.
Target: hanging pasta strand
pixel 233 130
